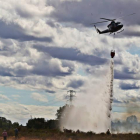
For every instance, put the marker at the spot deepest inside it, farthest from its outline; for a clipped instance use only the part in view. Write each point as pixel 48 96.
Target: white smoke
pixel 91 110
pixel 130 125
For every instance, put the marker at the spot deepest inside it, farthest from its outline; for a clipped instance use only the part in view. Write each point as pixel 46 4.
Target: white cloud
pixel 18 58
pixel 3 97
pixel 39 97
pixel 21 113
pixel 17 9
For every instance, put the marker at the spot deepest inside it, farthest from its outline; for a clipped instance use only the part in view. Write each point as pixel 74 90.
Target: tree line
pixel 7 124
pixel 35 123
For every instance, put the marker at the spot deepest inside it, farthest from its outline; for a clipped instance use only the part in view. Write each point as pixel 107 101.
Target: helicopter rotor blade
pixel 126 16
pixel 108 19
pixel 99 22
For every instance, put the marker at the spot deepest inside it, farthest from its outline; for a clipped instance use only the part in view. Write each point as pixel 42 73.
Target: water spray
pixel 111 84
pixel 91 110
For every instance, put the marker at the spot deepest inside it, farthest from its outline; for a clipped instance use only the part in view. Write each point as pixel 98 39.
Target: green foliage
pixel 15 124
pixel 5 124
pixel 52 124
pixel 37 123
pixel 64 112
pixel 49 131
pixel 60 111
pixel 40 123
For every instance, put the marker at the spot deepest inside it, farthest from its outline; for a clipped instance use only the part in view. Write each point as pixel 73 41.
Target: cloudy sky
pixel 48 47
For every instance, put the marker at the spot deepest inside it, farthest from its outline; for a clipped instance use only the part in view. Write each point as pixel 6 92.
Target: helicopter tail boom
pixel 98 31
pixel 101 32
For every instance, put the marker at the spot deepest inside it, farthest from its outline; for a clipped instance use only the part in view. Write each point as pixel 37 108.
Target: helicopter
pixel 113 27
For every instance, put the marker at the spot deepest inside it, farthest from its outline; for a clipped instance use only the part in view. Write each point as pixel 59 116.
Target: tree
pixel 37 123
pixel 63 111
pixel 15 124
pixel 52 124
pixel 4 123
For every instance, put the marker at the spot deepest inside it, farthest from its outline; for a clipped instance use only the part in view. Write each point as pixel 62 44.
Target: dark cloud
pixel 52 24
pixel 5 73
pixel 41 67
pixel 72 54
pixel 117 101
pixel 13 72
pixel 9 48
pixel 86 12
pixel 14 31
pixel 129 86
pixel 34 81
pixel 68 64
pixel 48 68
pixel 126 73
pixel 132 33
pixel 122 75
pixel 6 51
pixel 75 83
pixel 50 91
pixel 23 13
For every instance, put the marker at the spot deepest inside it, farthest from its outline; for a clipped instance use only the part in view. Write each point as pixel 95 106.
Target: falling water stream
pixel 91 111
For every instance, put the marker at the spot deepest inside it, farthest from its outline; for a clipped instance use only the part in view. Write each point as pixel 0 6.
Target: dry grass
pixel 33 134
pixel 92 137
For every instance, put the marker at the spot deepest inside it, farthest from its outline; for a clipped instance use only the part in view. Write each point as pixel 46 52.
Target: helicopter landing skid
pixel 117 32
pixel 120 31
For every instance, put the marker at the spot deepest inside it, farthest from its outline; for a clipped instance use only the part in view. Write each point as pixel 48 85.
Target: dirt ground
pixel 22 138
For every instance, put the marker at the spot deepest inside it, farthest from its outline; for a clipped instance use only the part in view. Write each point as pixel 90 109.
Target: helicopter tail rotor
pixel 98 31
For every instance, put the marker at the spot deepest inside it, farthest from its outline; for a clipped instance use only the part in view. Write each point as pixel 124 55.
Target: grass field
pixel 55 134
pixel 84 137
